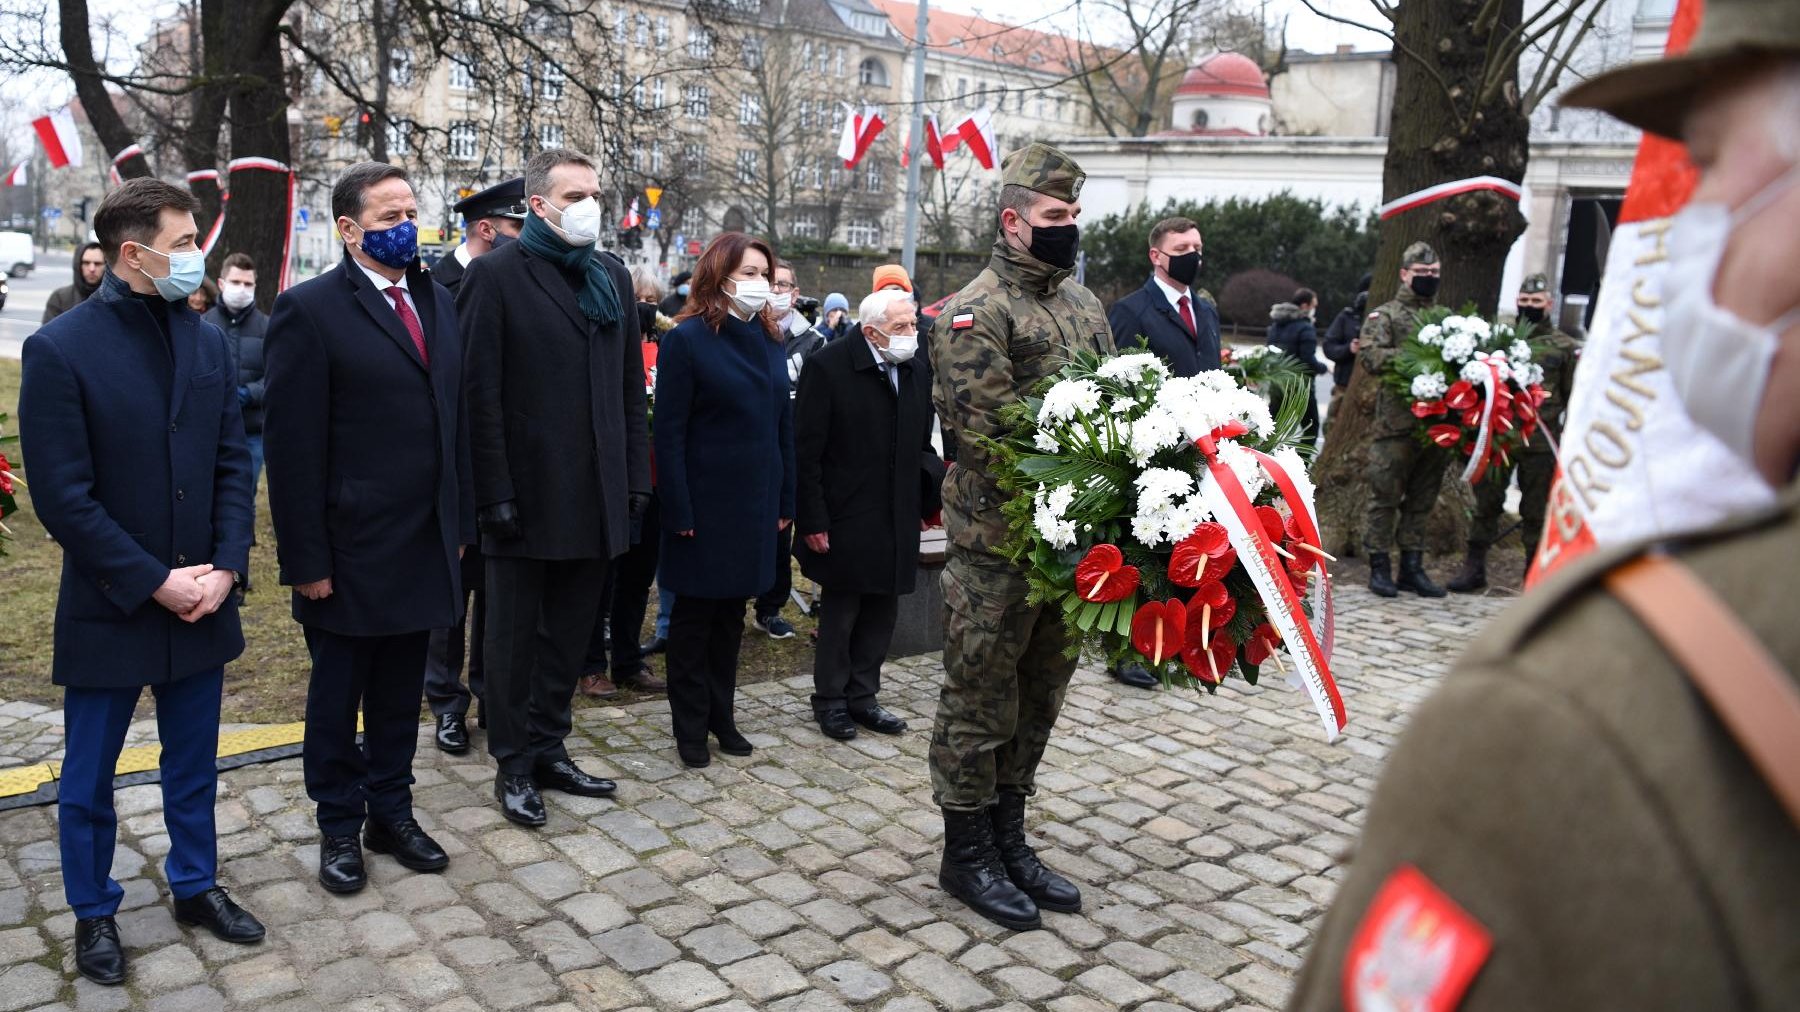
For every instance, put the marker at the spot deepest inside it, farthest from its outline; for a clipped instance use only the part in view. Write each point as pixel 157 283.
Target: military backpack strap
pixel 1748 689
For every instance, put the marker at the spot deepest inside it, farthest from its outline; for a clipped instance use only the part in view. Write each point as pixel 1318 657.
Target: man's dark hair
pixel 783 265
pixel 132 212
pixel 241 261
pixel 1018 198
pixel 348 193
pixel 1305 297
pixel 1170 226
pixel 537 170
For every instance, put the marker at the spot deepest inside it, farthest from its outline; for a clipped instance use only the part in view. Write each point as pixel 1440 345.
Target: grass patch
pixel 268 683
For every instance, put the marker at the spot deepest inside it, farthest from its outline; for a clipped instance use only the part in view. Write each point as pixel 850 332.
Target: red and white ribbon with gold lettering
pixel 1306 517
pixel 1492 379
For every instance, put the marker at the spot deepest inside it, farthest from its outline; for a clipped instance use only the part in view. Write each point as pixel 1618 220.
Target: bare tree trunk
pixel 259 220
pixel 206 113
pixel 90 88
pixel 1439 133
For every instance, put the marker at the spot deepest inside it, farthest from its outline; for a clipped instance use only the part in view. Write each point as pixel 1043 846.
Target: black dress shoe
pixel 878 720
pixel 98 955
pixel 1134 675
pixel 519 800
pixel 406 843
pixel 563 775
pixel 656 646
pixel 341 864
pixel 693 756
pixel 733 743
pixel 452 733
pixel 216 912
pixel 837 724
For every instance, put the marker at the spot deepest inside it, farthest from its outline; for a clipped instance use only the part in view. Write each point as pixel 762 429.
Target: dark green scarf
pixel 598 301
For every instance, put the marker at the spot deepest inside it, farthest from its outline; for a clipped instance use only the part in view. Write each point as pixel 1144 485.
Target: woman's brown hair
pixel 707 298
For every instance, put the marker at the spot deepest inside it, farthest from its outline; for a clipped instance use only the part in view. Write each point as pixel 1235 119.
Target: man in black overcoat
pixel 367 450
pixel 559 440
pixel 865 466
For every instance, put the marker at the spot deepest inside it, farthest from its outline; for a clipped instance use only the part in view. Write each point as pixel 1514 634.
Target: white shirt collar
pixel 382 284
pixel 1170 292
pixel 461 253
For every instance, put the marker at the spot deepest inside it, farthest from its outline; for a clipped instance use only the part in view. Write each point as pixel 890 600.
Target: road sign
pixel 653 220
pixel 680 242
pixel 301 217
pixel 654 193
pixel 52 213
pixel 693 247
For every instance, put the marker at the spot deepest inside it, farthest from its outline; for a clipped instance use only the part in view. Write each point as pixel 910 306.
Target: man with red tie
pixel 1176 320
pixel 369 485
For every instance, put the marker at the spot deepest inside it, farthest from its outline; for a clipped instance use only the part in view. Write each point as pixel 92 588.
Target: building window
pixel 637 93
pixel 746 166
pixel 700 42
pixel 656 158
pixel 837 117
pixel 462 142
pixel 872 179
pixel 753 53
pixel 806 55
pixel 697 101
pixel 462 75
pixel 863 233
pixel 749 110
pixel 806 114
pixel 400 68
pixel 962 87
pixel 662 32
pixel 657 96
pixel 549 135
pixel 804 226
pixel 693 158
pixel 553 80
pixel 837 60
pixel 640 30
pixel 873 73
pixel 818 172
pixel 399 138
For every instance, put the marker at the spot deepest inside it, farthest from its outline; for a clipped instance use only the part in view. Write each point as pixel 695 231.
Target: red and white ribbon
pixel 1306 517
pixel 1430 194
pixel 1224 495
pixel 201 175
pixel 1492 379
pixel 121 158
pixel 287 242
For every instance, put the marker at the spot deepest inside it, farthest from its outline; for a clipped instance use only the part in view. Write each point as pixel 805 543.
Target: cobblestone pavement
pixel 1204 831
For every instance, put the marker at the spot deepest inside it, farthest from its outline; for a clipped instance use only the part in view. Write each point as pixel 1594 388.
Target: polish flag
pixel 977 131
pixel 632 219
pixel 860 131
pixel 61 143
pixel 934 144
pixel 16 177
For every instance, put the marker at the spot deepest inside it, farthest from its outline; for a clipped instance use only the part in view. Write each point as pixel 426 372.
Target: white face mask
pixel 1718 362
pixel 751 296
pixel 237 296
pixel 900 347
pixel 580 221
pixel 781 303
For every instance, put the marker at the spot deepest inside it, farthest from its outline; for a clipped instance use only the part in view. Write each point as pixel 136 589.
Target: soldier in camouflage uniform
pixel 1536 462
pixel 1005 670
pixel 1404 473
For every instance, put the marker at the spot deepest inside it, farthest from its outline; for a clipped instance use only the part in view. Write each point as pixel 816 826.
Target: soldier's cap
pixel 1038 166
pixel 1418 253
pixel 501 200
pixel 1533 284
pixel 1655 95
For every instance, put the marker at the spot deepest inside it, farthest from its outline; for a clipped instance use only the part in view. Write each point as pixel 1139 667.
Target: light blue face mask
pixel 186 270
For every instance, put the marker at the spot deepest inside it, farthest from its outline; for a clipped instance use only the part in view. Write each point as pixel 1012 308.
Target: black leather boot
pixel 1414 578
pixel 971 871
pixel 1046 888
pixel 1381 578
pixel 1473 575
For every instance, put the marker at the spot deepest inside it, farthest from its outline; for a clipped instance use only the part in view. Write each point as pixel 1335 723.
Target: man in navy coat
pixel 1179 325
pixel 369 486
pixel 139 469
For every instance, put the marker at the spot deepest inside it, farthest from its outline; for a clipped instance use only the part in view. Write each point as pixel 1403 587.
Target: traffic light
pixel 81 208
pixel 363 121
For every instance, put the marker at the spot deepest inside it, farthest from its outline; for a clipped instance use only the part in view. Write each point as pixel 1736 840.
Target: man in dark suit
pixel 1180 325
pixel 559 438
pixel 494 217
pixel 369 486
pixel 139 470
pixel 863 456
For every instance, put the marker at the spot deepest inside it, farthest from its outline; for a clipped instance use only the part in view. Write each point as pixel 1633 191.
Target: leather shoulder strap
pixel 1748 689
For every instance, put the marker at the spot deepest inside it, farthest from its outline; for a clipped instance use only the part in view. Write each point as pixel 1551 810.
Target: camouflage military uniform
pixel 1404 473
pixel 1005 672
pixel 1536 463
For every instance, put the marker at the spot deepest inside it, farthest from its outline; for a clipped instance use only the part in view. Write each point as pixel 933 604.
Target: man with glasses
pixel 1404 474
pixel 801 340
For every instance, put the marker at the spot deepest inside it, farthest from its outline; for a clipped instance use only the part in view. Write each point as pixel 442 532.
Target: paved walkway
pixel 1204 831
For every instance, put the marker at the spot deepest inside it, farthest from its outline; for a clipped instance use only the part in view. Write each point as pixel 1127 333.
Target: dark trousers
pixel 854 633
pixel 627 601
pixel 770 601
pixel 704 633
pixel 444 655
pixel 384 676
pixel 540 614
pixel 94 725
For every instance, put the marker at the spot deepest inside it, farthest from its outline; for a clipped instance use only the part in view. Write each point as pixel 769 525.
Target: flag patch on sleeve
pixel 1415 949
pixel 962 321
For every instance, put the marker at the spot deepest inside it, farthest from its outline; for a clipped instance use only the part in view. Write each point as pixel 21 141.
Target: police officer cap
pixel 501 200
pixel 1418 253
pixel 1040 167
pixel 1534 284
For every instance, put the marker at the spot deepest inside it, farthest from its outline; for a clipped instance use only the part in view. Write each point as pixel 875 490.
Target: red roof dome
pixel 1225 74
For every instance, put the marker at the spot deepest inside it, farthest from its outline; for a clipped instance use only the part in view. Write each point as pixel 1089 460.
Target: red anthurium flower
pixel 1274 524
pixel 1445 435
pixel 1263 641
pixel 1526 409
pixel 1461 395
pixel 1102 575
pixel 1427 409
pixel 1538 394
pixel 1211 607
pixel 1210 663
pixel 1159 629
pixel 1471 418
pixel 1203 555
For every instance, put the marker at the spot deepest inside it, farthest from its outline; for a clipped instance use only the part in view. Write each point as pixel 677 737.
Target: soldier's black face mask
pixel 1056 244
pixel 1424 285
pixel 1184 267
pixel 1531 314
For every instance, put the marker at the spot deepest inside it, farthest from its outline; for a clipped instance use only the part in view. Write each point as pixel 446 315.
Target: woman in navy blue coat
pixel 725 471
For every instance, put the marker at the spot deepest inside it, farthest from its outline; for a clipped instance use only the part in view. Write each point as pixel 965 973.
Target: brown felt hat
pixel 1655 95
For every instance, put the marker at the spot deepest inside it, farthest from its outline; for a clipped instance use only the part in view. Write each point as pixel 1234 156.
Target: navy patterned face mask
pixel 395 247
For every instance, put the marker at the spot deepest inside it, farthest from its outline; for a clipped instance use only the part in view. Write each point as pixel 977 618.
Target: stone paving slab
pixel 1206 833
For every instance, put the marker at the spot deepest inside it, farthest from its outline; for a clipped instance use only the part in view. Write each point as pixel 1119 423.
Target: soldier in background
pixel 1404 473
pixel 1536 461
pixel 494 217
pixel 1005 670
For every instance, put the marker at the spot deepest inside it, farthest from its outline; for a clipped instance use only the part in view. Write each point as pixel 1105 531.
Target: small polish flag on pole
pixel 16 177
pixel 631 219
pixel 860 131
pixel 934 144
pixel 62 145
pixel 976 131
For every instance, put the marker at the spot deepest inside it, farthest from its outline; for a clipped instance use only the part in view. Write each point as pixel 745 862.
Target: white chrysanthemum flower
pixel 1475 372
pixel 1132 368
pixel 1478 326
pixel 1158 430
pixel 1431 334
pixel 1049 516
pixel 1158 487
pixel 1458 347
pixel 1243 464
pixel 1069 399
pixel 1290 461
pixel 1519 353
pixel 1531 375
pixel 1046 441
pixel 1429 386
pixel 1205 402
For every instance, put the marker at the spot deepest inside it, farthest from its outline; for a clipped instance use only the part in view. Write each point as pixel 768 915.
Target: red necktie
pixel 1187 316
pixel 407 317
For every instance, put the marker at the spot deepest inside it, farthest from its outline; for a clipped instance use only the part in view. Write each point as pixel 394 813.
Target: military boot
pixel 972 872
pixel 1473 575
pixel 1414 578
pixel 1381 578
pixel 1046 888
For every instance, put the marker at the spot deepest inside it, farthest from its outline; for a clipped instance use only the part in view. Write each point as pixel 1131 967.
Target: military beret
pixel 1418 253
pixel 501 200
pixel 1040 167
pixel 1534 284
